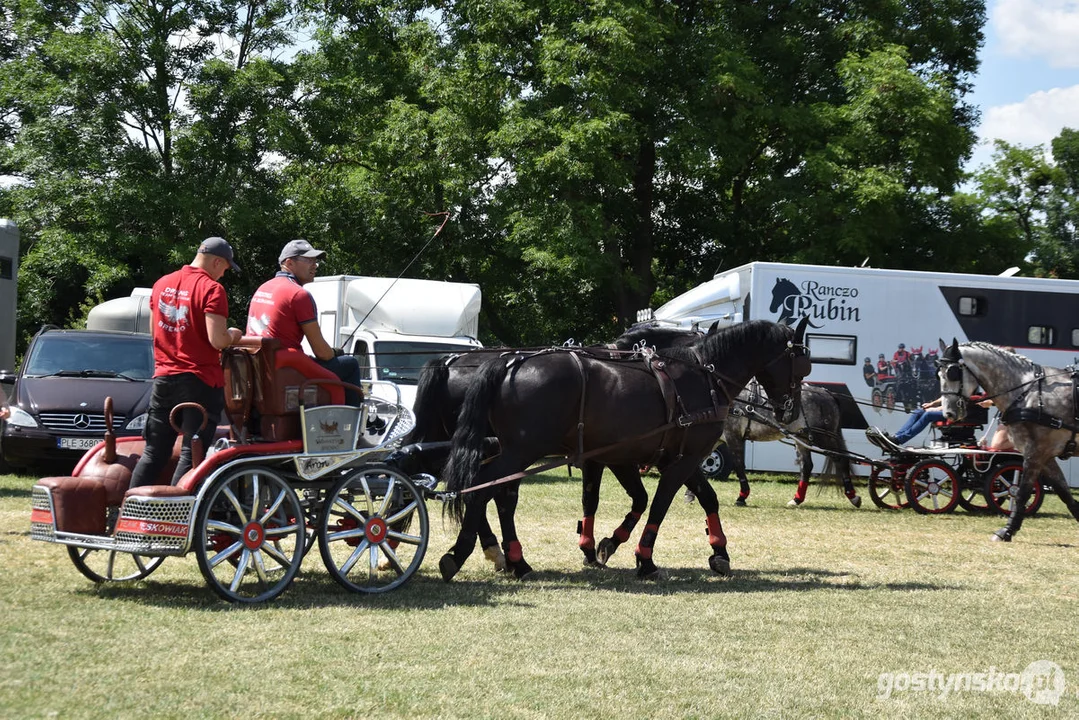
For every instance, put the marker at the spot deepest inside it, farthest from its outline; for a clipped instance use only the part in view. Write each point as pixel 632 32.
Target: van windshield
pixel 79 355
pixel 400 362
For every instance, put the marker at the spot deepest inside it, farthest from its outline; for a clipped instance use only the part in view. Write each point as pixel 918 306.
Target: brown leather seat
pixel 262 383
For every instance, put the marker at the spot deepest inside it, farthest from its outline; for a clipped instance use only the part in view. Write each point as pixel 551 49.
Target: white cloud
pixel 1034 121
pixel 1039 28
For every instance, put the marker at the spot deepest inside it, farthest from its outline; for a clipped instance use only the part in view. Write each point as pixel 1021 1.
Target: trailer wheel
pixel 103 566
pixel 374 530
pixel 1002 489
pixel 250 535
pixel 932 487
pixel 886 487
pixel 717 466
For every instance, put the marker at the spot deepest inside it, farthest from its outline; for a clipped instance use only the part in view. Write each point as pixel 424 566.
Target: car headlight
pixel 136 423
pixel 21 418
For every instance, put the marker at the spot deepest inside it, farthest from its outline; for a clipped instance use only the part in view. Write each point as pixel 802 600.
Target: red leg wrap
pixel 513 553
pixel 716 538
pixel 648 541
pixel 850 493
pixel 803 488
pixel 587 538
pixel 621 533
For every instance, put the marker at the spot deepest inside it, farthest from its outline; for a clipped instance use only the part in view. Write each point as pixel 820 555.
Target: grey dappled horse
pixel 818 424
pixel 1036 403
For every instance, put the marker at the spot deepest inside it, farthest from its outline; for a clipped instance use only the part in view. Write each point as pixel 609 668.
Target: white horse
pixel 1036 403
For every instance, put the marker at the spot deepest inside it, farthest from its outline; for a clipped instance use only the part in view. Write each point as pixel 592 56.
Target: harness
pixel 1035 415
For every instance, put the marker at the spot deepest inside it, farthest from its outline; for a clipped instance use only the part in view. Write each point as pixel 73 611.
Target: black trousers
pixel 168 392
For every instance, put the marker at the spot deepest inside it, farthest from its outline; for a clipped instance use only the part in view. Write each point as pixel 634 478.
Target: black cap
pixel 220 247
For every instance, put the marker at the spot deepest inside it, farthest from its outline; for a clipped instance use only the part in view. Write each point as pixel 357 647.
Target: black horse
pixel 440 394
pixel 667 411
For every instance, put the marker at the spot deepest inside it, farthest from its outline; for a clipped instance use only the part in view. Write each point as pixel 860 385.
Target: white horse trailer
pixel 874 333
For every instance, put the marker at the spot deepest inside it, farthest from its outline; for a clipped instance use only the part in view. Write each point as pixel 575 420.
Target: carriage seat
pixel 262 388
pixel 963 432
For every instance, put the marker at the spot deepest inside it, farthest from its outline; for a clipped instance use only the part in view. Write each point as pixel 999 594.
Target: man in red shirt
pixel 189 312
pixel 282 309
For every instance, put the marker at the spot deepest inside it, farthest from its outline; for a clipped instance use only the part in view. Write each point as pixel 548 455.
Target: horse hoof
pixel 521 569
pixel 647 570
pixel 720 565
pixel 589 556
pixel 606 549
pixel 794 503
pixel 1001 535
pixel 448 567
pixel 689 497
pixel 856 501
pixel 740 502
pixel 496 557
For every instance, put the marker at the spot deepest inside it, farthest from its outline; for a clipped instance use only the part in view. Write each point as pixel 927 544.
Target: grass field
pixel 832 612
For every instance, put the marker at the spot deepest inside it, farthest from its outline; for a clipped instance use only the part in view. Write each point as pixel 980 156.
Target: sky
pixel 1027 87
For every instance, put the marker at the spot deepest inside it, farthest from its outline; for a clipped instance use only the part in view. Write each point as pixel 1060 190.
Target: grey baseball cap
pixel 220 247
pixel 299 248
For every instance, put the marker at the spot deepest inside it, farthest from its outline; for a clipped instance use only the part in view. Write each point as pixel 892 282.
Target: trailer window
pixel 833 349
pixel 7 268
pixel 1075 337
pixel 971 306
pixel 1041 335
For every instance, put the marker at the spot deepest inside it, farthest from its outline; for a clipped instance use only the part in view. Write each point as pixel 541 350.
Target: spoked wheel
pixel 250 535
pixel 886 487
pixel 932 487
pixel 1002 490
pixel 877 398
pixel 972 493
pixel 374 530
pixel 103 566
pixel 889 399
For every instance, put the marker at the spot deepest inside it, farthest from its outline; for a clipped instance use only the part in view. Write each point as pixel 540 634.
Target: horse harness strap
pixel 1038 416
pixel 673 399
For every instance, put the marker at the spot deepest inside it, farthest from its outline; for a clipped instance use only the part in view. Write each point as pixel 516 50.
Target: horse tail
pixel 466 453
pixel 432 395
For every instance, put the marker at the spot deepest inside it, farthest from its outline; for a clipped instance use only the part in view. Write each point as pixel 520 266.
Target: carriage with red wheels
pixel 952 471
pixel 294 468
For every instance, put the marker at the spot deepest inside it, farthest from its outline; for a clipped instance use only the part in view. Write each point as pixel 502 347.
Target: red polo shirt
pixel 279 308
pixel 180 302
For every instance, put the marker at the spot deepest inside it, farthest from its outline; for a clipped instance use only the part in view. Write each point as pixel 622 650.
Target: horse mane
pixel 653 332
pixel 1013 359
pixel 732 341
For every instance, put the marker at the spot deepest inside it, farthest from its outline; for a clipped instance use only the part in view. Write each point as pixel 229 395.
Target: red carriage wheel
pixel 1002 489
pixel 889 399
pixel 932 487
pixel 886 487
pixel 877 398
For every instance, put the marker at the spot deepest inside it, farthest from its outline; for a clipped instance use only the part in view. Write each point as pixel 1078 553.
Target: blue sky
pixel 1028 85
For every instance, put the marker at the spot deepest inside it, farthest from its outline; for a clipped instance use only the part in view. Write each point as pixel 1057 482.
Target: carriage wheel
pixel 932 487
pixel 877 398
pixel 889 399
pixel 1002 488
pixel 972 492
pixel 718 464
pixel 250 535
pixel 886 487
pixel 103 566
pixel 374 530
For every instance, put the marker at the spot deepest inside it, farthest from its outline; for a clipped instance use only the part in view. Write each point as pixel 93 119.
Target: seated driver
pixel 282 309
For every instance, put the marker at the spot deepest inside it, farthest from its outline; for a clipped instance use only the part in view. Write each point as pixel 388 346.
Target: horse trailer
pixel 874 333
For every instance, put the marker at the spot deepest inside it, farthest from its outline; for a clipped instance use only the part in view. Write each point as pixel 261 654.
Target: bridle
pixel 801 364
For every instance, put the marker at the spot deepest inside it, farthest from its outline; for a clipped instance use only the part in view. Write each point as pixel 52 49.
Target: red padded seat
pixel 78 504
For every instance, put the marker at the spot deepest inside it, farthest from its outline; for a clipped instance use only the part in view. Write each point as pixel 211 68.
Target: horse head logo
pixel 782 293
pixel 328 427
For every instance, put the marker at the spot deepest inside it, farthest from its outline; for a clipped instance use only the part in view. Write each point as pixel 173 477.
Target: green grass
pixel 824 599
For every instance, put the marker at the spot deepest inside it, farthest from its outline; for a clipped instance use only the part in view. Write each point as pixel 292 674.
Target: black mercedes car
pixel 58 399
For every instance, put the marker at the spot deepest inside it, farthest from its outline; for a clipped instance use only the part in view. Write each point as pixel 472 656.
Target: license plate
pixel 77 443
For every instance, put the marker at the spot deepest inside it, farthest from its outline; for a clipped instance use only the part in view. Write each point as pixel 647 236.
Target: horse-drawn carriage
pixel 296 468
pixel 952 470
